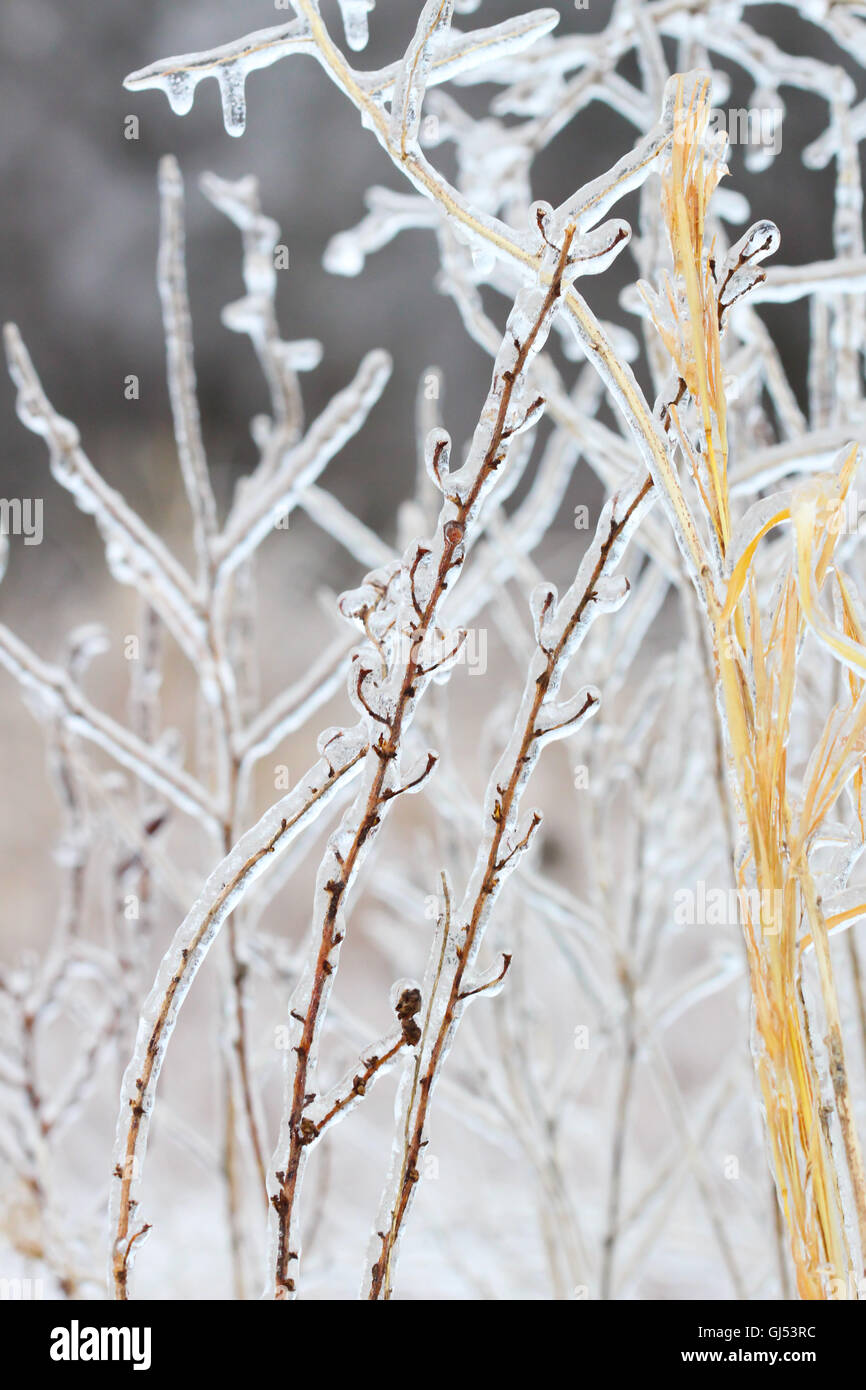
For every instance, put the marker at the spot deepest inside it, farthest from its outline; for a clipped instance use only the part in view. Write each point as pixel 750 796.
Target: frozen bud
pixel 597 249
pixel 542 605
pixel 344 255
pixel 437 457
pixel 611 592
pixel 761 240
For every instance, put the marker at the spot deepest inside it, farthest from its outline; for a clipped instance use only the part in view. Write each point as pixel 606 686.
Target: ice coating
pixel 408 94
pixel 136 556
pixel 177 326
pixel 225 888
pixel 251 520
pixel 387 680
pixel 256 314
pixel 456 53
pixel 230 65
pixel 53 686
pixel 389 214
pixel 451 981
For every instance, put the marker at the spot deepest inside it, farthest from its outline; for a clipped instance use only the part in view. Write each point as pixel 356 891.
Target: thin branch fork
pixel 491 984
pixel 53 684
pixel 359 1084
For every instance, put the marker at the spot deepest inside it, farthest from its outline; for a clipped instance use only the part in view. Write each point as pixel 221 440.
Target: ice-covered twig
pixel 560 628
pixel 253 855
pixel 133 553
pixel 256 512
pixel 177 324
pixel 429 571
pixel 229 65
pixel 56 691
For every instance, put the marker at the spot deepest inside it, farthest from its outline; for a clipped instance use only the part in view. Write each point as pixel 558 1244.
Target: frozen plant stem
pixel 171 279
pixel 221 896
pixel 436 566
pixel 755 660
pixel 559 630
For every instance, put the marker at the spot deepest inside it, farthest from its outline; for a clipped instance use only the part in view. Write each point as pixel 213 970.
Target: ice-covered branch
pixel 397 628
pixel 177 324
pixel 560 627
pixel 133 553
pixel 252 856
pixel 58 695
pixel 258 510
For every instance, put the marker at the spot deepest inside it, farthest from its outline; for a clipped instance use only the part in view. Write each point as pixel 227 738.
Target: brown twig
pixel 385 750
pixel 503 816
pixel 125 1172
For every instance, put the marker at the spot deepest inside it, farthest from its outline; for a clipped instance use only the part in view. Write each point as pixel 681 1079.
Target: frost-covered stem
pixel 291 709
pixel 172 283
pixel 256 510
pixel 144 718
pixel 56 687
pixel 171 280
pixel 536 1121
pixel 507 784
pixel 232 788
pixel 459 511
pixel 223 892
pixel 134 554
pixel 229 764
pixel 360 1083
pixel 77 831
pixel 620 1124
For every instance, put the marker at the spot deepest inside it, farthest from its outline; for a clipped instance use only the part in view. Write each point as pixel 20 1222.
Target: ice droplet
pixel 343 256
pixel 231 84
pixel 355 24
pixel 180 90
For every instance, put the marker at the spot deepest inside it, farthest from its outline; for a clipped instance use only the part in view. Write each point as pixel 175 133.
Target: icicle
pixel 231 78
pixel 354 13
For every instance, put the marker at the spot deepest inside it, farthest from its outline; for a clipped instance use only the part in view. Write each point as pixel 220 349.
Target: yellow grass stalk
pixel 756 666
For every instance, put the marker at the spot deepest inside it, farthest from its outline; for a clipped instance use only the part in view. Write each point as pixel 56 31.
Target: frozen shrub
pixel 701 677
